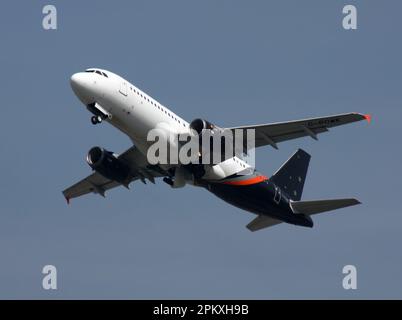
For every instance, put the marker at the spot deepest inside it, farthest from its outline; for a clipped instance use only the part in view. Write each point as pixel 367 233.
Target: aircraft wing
pixel 96 183
pixel 273 133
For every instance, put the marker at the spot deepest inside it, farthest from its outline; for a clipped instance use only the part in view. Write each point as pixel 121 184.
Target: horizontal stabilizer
pixel 318 206
pixel 262 222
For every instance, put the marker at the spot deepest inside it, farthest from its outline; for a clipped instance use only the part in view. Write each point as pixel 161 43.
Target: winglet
pixel 364 116
pixel 68 200
pixel 367 117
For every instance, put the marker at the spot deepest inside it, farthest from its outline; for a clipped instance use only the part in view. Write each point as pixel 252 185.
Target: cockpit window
pixel 98 72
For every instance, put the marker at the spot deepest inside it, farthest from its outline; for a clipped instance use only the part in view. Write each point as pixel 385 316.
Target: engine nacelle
pixel 107 164
pixel 220 139
pixel 198 125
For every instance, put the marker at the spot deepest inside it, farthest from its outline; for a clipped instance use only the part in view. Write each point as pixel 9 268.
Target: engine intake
pixel 218 139
pixel 200 124
pixel 107 164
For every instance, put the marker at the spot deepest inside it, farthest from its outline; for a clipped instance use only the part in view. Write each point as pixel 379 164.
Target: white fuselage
pixel 135 113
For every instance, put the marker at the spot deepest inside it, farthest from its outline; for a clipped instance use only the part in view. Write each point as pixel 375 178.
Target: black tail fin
pixel 291 176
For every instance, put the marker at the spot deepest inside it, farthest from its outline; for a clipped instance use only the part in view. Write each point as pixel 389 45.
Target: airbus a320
pixel 274 200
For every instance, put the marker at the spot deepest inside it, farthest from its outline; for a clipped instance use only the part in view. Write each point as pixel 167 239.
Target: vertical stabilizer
pixel 291 175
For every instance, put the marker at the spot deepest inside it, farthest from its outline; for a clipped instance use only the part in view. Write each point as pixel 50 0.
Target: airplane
pixel 110 98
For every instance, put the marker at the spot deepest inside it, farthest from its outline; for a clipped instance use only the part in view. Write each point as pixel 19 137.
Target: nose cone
pixel 80 83
pixel 77 81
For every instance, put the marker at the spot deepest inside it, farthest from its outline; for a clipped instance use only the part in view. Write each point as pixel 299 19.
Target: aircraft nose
pixel 77 81
pixel 81 84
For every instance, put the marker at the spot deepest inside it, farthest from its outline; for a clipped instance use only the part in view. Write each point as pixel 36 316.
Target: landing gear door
pixel 123 88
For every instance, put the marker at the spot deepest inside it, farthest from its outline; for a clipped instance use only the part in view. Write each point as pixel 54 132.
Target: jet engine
pixel 216 135
pixel 200 124
pixel 107 164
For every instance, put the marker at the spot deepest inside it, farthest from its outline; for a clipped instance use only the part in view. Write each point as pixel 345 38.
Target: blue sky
pixel 232 63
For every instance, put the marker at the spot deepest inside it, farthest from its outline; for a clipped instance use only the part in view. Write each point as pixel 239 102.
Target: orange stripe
pixel 247 182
